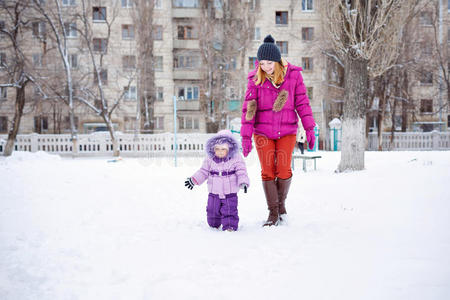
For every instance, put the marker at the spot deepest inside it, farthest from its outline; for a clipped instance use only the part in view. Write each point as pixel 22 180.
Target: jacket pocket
pixel 289 117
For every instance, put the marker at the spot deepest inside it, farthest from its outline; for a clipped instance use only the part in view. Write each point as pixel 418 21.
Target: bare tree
pixel 18 71
pixel 393 89
pixel 440 57
pixel 365 35
pixel 226 30
pixel 92 94
pixel 60 22
pixel 143 22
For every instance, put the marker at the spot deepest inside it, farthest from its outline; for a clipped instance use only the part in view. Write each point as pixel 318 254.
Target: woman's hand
pixel 246 146
pixel 311 138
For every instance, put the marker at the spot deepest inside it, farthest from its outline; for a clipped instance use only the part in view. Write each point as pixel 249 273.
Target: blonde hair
pixel 276 77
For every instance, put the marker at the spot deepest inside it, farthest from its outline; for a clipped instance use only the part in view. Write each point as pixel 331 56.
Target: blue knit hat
pixel 268 50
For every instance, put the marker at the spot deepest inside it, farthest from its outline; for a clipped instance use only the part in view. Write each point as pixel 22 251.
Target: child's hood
pixel 222 137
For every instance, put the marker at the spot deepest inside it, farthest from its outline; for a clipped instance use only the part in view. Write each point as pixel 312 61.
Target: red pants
pixel 275 156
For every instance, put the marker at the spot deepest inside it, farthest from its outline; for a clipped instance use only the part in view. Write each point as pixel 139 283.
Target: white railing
pixel 411 141
pixel 99 144
pixel 189 144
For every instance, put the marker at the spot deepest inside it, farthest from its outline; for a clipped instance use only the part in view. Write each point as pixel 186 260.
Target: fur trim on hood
pixel 222 137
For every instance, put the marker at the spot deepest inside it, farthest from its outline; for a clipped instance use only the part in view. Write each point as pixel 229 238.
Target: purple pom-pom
pixel 269 39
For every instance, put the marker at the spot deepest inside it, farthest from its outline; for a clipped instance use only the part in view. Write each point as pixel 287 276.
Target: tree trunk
pixel 354 118
pixel 18 112
pixel 381 113
pixel 112 134
pixel 405 104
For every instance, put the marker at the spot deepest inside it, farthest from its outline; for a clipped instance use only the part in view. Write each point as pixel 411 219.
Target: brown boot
pixel 271 192
pixel 283 189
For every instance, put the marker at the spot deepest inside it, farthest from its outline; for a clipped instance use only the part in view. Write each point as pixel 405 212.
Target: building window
pixel 129 62
pixel 254 4
pixel 70 29
pixel 158 32
pixel 128 123
pixel 159 63
pixel 99 45
pixel 426 106
pixel 310 90
pixel 160 93
pixel 231 93
pixel 38 29
pixel 185 3
pixel 127 32
pixel 188 93
pixel 307 5
pixel 2 60
pixel 426 18
pixel 426 78
pixel 103 77
pixel 158 4
pixel 186 32
pixel 40 124
pixel 427 49
pixel 69 2
pixel 66 125
pixel 307 63
pixel 186 61
pixel 188 123
pixel 257 34
pixel 252 62
pixel 37 60
pixel 281 17
pixel 448 121
pixel 283 47
pixel 398 122
pixel 127 3
pixel 158 123
pixel 3 124
pixel 3 93
pixel 99 13
pixel 73 61
pixel 307 33
pixel 36 91
pixel 130 93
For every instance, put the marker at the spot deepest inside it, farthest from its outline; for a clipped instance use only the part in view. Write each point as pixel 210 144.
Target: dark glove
pixel 189 183
pixel 244 187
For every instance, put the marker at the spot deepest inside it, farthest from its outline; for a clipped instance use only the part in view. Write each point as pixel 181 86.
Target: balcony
pixel 186 13
pixel 187 74
pixel 188 105
pixel 186 44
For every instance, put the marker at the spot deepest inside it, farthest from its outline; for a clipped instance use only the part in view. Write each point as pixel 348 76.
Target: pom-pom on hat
pixel 268 50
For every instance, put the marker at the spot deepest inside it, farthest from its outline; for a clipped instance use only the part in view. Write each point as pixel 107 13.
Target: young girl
pixel 225 170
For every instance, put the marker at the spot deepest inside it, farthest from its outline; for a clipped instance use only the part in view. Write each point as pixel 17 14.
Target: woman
pixel 275 97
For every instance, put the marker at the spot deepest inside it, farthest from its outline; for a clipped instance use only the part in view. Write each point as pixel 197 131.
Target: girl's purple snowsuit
pixel 224 175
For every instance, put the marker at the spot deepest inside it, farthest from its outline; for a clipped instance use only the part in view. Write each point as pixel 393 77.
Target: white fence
pixel 411 141
pixel 99 144
pixel 189 144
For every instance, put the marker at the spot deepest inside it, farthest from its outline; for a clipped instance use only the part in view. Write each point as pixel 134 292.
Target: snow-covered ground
pixel 93 229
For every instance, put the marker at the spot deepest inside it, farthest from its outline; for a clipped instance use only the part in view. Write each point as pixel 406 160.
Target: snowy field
pixel 93 229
